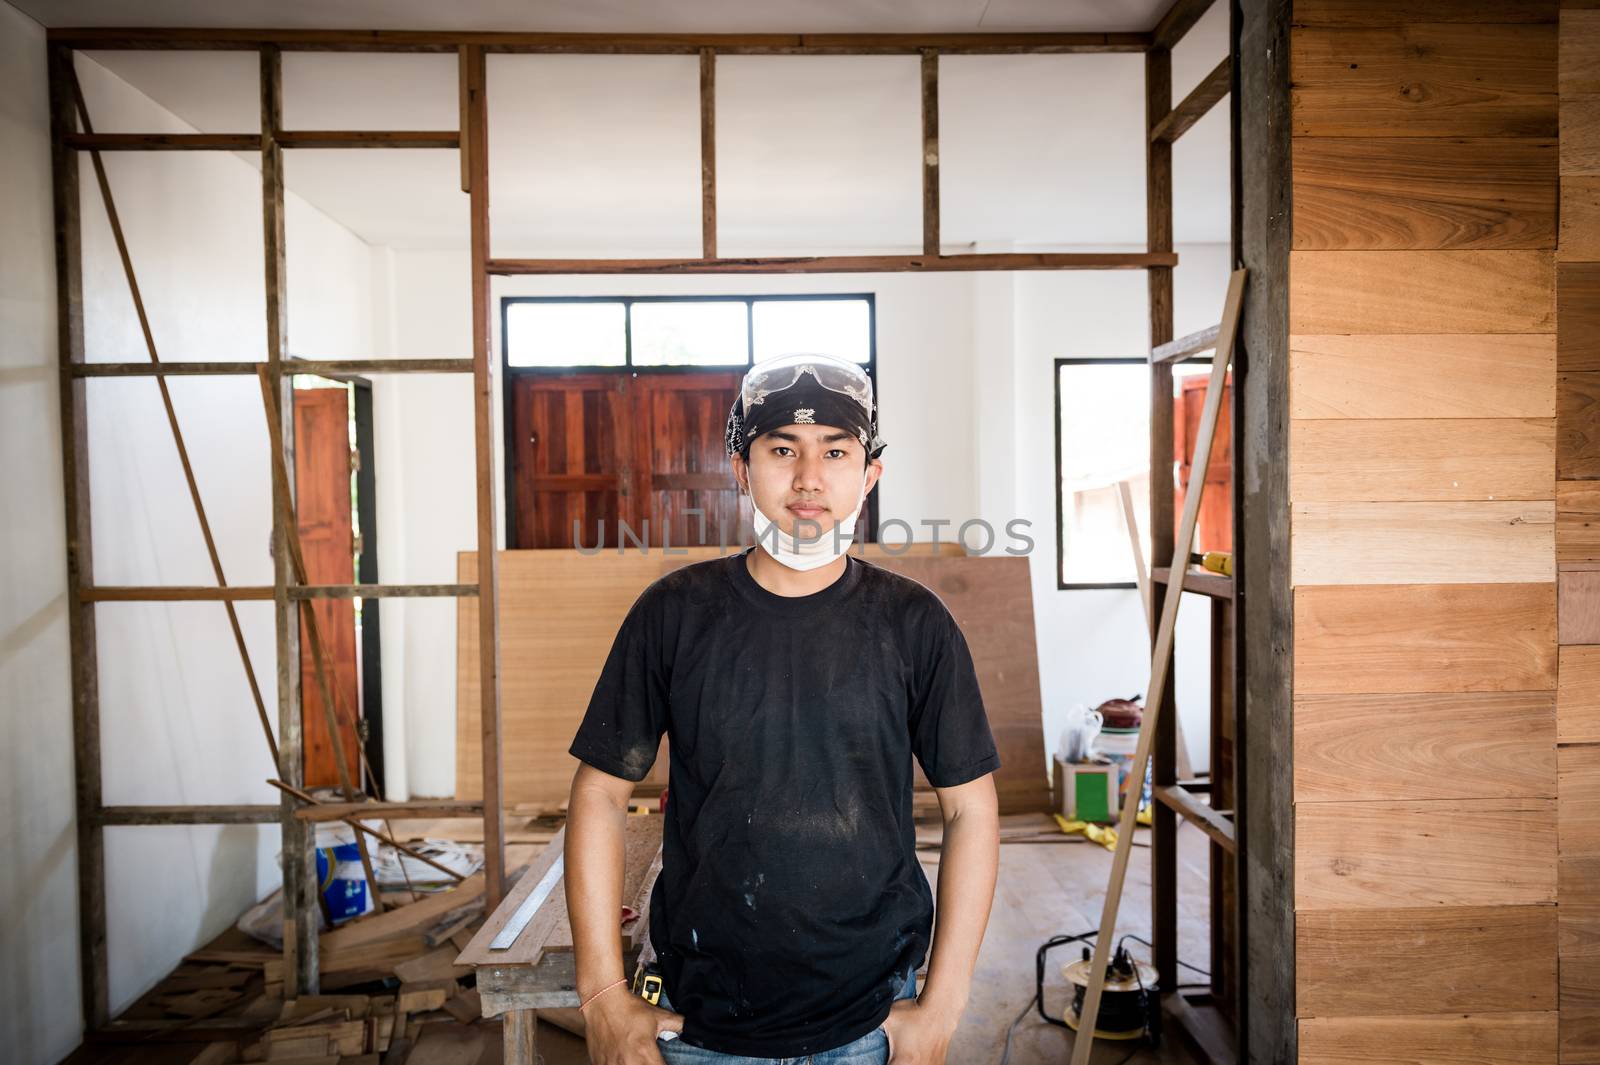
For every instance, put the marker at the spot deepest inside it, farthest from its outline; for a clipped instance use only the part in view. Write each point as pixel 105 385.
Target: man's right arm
pixel 621 1026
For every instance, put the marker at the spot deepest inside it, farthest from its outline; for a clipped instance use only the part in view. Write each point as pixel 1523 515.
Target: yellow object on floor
pixel 1104 835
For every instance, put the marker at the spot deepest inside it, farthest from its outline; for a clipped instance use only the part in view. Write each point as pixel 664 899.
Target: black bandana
pixel 803 403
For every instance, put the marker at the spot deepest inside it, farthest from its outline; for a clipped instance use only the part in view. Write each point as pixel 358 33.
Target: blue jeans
pixel 870 1049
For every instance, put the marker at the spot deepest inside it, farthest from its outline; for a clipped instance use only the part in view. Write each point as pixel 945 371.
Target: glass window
pixel 1103 410
pixel 566 334
pixel 691 333
pixel 841 328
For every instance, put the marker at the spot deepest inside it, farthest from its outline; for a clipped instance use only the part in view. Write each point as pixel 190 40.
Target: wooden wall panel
pixel 1580 134
pixel 1421 292
pixel 1441 959
pixel 1424 638
pixel 1578 585
pixel 1423 543
pixel 1440 375
pixel 1425 80
pixel 1578 695
pixel 1474 1039
pixel 1421 460
pixel 1578 521
pixel 1416 193
pixel 1580 218
pixel 1478 745
pixel 1428 222
pixel 1403 12
pixel 1578 316
pixel 1381 853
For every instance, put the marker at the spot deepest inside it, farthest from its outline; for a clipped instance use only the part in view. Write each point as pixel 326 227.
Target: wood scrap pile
pixel 390 990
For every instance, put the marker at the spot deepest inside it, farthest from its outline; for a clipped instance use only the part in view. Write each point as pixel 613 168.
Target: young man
pixel 796 682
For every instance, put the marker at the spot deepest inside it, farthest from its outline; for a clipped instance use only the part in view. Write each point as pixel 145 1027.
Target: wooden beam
pixel 164 142
pixel 300 902
pixel 1158 227
pixel 930 153
pixel 319 367
pixel 1200 814
pixel 1178 21
pixel 494 844
pixel 372 138
pixel 93 974
pixel 189 815
pixel 843 264
pixel 1203 98
pixel 148 38
pixel 1183 347
pixel 174 593
pixel 708 154
pixel 420 808
pixel 1264 622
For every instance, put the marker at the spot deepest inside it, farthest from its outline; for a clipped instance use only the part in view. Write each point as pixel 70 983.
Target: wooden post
pixel 1158 223
pixel 930 152
pixel 300 909
pixel 93 974
pixel 708 154
pixel 494 847
pixel 1160 674
pixel 520 1036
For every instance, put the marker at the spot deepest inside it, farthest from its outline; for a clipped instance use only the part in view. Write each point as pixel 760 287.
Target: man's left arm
pixel 920 1029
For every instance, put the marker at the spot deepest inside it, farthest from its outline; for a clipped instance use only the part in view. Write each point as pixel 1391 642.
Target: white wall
pixel 178 724
pixel 964 364
pixel 38 875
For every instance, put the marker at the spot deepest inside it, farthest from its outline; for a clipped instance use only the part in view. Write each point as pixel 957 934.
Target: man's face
pixel 810 473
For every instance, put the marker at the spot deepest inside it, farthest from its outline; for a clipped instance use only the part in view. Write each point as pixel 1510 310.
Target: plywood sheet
pixel 1424 638
pixel 1421 292
pixel 1430 746
pixel 1387 854
pixel 1472 1039
pixel 560 612
pixel 1419 192
pixel 1424 80
pixel 1423 543
pixel 1578 695
pixel 1422 460
pixel 1507 375
pixel 1443 959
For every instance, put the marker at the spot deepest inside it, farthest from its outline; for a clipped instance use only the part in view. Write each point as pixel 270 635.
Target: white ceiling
pixel 597 155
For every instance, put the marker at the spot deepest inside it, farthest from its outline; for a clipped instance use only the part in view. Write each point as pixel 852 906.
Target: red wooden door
pixel 322 468
pixel 1214 526
pixel 604 449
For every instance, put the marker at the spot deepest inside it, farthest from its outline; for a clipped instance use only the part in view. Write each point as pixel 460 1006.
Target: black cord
pixel 1140 939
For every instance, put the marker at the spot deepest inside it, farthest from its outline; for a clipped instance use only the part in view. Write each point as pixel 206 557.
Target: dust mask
pixel 810 546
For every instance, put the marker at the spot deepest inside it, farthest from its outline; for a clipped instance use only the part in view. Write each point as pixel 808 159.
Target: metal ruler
pixel 530 906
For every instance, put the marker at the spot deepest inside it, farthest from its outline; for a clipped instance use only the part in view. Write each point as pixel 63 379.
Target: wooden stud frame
pixel 1163 124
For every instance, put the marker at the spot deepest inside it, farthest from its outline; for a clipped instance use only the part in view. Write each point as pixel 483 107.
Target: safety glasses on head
pixel 775 375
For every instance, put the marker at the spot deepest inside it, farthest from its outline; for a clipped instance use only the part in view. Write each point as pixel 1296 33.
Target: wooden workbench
pixel 538 970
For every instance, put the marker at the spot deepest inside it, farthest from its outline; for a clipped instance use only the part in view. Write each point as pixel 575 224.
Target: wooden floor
pixel 1048 889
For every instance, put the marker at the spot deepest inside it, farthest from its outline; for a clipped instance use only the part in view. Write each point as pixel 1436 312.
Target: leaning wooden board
pixel 560 610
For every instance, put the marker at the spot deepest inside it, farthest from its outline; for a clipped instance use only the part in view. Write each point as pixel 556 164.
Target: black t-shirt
pixel 790 902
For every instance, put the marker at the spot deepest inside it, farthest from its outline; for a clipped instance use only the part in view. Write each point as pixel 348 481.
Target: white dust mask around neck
pixel 808 550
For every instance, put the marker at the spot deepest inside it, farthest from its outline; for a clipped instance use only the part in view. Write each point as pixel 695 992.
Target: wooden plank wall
pixel 1433 808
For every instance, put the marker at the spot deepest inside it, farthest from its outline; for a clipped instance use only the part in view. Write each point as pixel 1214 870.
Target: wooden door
pixel 599 450
pixel 1214 526
pixel 322 466
pixel 682 464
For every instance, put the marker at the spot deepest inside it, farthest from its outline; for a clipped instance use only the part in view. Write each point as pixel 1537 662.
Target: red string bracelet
pixel 603 990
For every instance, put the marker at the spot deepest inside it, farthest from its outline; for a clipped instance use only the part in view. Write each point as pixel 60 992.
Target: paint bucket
pixel 340 876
